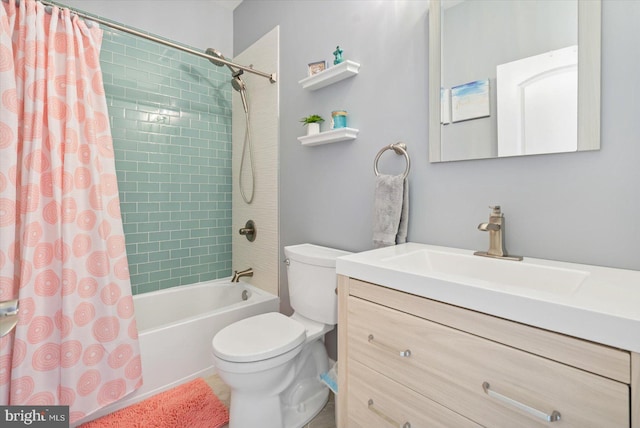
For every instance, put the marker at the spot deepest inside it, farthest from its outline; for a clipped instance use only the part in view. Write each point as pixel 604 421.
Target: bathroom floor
pixel 325 419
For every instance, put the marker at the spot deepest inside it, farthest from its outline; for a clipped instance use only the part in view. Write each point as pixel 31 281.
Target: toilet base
pixel 264 412
pixel 267 412
pixel 303 414
pixel 284 406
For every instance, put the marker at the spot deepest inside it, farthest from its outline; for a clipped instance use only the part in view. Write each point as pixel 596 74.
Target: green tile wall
pixel 170 115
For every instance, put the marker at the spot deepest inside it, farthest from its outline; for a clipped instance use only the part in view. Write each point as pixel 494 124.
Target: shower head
pixel 216 53
pixel 239 85
pixel 236 82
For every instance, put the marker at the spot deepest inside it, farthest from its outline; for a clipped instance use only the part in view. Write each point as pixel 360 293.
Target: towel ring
pixel 399 148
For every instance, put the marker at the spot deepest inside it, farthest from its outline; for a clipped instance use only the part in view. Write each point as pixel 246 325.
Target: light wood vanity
pixel 409 361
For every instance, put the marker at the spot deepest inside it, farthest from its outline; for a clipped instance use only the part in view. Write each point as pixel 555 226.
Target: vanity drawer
pixel 451 367
pixel 375 401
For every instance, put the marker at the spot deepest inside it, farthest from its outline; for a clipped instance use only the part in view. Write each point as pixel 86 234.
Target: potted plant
pixel 312 123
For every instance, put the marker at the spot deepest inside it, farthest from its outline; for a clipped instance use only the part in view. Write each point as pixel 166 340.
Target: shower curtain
pixel 62 248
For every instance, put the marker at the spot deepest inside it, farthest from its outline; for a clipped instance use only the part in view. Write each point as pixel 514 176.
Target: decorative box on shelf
pixel 331 75
pixel 332 136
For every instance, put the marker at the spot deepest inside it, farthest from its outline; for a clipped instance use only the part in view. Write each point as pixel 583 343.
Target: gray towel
pixel 390 210
pixel 401 238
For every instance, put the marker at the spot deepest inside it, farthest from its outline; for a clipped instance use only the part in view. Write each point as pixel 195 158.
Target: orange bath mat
pixel 192 405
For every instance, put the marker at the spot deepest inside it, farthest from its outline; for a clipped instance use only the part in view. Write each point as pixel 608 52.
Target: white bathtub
pixel 176 327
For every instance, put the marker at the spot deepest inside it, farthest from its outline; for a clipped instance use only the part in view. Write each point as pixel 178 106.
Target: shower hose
pixel 247 142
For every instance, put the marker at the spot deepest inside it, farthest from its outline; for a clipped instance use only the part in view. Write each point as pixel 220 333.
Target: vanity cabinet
pixel 409 361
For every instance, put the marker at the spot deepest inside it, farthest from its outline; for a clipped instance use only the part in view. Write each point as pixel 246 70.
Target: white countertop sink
pixel 488 272
pixel 591 302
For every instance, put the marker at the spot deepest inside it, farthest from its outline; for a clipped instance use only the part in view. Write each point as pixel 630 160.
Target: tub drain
pixel 245 295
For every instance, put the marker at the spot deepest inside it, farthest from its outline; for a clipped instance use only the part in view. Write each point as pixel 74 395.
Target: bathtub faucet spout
pixel 239 274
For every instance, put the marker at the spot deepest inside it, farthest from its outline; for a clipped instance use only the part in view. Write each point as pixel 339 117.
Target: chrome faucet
pixel 495 227
pixel 237 275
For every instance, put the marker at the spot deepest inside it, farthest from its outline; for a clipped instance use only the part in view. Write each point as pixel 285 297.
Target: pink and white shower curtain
pixel 62 247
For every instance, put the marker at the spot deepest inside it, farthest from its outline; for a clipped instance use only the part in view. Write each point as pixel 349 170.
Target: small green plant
pixel 314 118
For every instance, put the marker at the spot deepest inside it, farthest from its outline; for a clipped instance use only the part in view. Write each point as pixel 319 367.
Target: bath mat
pixel 192 405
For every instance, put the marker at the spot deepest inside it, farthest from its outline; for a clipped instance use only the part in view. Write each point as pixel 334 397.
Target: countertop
pixel 605 307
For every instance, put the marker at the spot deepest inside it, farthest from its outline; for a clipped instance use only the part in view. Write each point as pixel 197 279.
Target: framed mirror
pixel 513 78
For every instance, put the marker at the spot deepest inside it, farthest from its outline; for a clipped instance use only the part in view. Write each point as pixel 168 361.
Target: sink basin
pixel 492 273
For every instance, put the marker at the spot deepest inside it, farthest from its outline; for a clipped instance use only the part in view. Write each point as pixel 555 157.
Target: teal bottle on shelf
pixel 338 56
pixel 338 119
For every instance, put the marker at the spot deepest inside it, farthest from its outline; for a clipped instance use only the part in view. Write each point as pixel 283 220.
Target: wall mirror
pixel 513 78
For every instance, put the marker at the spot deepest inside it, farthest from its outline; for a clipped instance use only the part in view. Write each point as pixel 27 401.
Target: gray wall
pixel 196 23
pixel 577 207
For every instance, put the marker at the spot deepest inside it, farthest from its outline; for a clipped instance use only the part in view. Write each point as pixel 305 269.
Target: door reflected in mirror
pixel 529 72
pixel 537 104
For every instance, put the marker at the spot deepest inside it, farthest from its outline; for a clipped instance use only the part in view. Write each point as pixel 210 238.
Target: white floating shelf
pixel 331 75
pixel 333 136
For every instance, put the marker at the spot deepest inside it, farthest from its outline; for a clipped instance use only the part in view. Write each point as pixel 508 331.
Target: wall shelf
pixel 331 75
pixel 332 136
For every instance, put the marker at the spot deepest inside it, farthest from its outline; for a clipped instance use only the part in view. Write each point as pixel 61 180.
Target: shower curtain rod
pixel 271 76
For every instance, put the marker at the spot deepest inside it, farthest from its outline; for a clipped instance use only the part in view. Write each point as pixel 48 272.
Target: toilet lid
pixel 258 338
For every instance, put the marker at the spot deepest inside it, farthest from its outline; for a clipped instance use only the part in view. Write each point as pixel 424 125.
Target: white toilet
pixel 272 362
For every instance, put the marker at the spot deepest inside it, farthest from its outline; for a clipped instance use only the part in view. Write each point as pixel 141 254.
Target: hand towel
pixel 401 237
pixel 390 210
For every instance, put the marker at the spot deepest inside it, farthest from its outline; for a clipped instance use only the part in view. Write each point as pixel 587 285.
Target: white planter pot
pixel 313 128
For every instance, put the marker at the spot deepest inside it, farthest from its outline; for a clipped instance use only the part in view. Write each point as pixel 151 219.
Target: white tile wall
pixel 262 254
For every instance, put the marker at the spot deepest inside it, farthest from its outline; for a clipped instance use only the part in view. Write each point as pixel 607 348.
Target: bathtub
pixel 176 327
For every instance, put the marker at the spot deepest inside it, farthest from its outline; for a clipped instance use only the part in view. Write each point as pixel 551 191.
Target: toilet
pixel 272 363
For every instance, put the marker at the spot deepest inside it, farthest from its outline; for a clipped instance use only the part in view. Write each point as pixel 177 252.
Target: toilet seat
pixel 258 338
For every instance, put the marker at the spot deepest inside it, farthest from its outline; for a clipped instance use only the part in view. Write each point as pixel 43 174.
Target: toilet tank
pixel 312 281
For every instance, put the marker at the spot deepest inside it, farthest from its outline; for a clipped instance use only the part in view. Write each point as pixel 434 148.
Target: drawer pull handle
pixel 553 417
pixel 406 353
pixel 385 417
